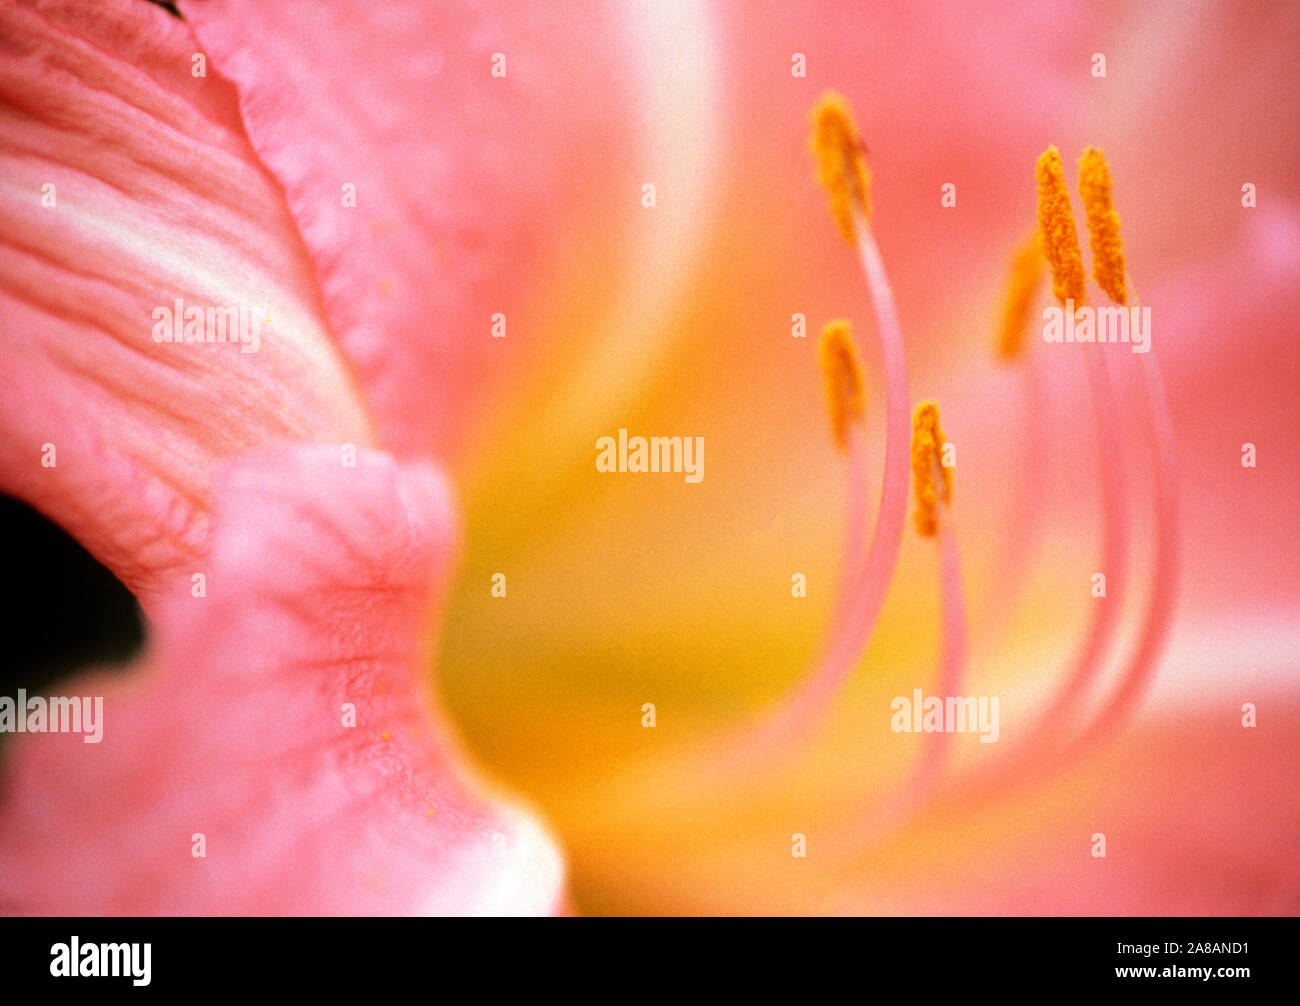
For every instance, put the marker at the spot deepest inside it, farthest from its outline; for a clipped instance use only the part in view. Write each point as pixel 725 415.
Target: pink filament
pixel 955 649
pixel 909 798
pixel 1164 589
pixel 868 589
pixel 1029 761
pixel 865 583
pixel 855 533
pixel 1026 523
pixel 1115 523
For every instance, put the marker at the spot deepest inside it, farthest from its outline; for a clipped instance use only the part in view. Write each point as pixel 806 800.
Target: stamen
pixel 933 481
pixel 1164 588
pixel 1029 759
pixel 1103 225
pixel 915 791
pixel 1027 266
pixel 842 375
pixel 1060 243
pixel 1095 184
pixel 1056 227
pixel 842 371
pixel 1110 273
pixel 927 446
pixel 841 157
pixel 841 161
pixel 867 591
pixel 1029 762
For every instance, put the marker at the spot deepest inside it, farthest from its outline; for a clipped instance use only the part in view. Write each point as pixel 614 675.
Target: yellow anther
pixel 930 477
pixel 842 374
pixel 1027 267
pixel 1103 225
pixel 1056 227
pixel 841 161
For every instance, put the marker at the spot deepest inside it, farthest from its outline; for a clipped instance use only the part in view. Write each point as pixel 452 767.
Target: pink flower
pixel 386 185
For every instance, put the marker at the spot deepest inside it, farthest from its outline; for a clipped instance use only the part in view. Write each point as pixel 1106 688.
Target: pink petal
pixel 466 185
pixel 321 591
pixel 157 196
pixel 1200 817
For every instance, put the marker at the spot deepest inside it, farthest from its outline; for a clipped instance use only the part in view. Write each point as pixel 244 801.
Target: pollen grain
pixel 930 477
pixel 841 161
pixel 1060 240
pixel 1108 267
pixel 842 376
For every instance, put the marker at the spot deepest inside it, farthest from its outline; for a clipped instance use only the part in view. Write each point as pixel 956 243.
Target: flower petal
pixel 319 599
pixel 126 183
pixel 1199 817
pixel 476 193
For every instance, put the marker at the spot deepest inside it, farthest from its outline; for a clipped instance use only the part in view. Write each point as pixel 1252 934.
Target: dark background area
pixel 61 610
